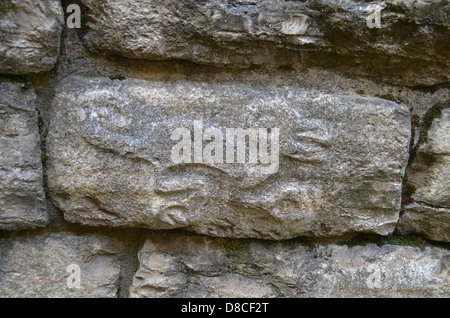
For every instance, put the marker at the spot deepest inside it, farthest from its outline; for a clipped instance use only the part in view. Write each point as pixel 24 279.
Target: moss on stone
pixel 409 240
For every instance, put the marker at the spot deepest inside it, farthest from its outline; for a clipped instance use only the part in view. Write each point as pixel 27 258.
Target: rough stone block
pixel 404 42
pixel 22 199
pixel 30 32
pixel 59 265
pixel 193 266
pixel 429 176
pixel 339 168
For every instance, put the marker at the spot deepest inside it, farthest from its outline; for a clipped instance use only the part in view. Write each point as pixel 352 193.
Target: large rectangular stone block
pixel 195 266
pixel 398 41
pixel 114 158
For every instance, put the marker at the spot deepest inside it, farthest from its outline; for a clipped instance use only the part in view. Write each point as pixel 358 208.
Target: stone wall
pixel 118 177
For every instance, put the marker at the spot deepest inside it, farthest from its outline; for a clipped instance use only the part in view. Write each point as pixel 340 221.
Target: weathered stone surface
pixel 409 46
pixel 429 175
pixel 194 266
pixel 430 172
pixel 22 199
pixel 431 222
pixel 29 35
pixel 39 266
pixel 341 160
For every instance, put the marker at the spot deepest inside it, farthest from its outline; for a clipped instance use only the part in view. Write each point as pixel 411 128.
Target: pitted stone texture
pixel 22 199
pixel 38 267
pixel 193 266
pixel 429 173
pixel 341 161
pixel 30 32
pixel 409 46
